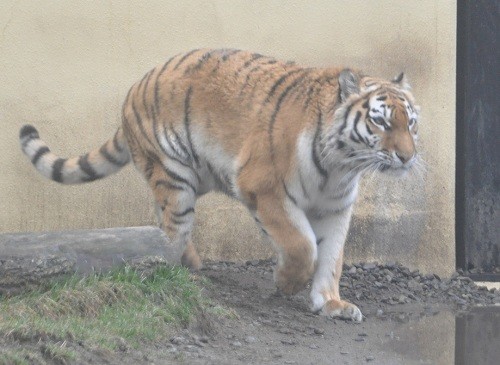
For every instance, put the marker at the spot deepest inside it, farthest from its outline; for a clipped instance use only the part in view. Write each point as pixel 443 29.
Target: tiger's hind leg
pixel 174 189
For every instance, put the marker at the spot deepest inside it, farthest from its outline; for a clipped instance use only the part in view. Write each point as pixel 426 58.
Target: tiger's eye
pixel 381 122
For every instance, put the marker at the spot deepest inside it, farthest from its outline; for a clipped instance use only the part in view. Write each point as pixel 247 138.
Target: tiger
pixel 289 142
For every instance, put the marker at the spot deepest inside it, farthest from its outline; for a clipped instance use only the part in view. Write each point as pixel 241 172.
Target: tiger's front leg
pixel 294 241
pixel 331 232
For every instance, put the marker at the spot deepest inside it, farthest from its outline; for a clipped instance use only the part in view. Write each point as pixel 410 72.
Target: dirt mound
pixel 409 318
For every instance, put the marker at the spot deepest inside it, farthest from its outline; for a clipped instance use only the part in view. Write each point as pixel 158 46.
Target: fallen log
pixel 30 258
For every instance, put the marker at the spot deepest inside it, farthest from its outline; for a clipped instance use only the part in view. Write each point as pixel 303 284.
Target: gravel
pixel 391 284
pixel 395 284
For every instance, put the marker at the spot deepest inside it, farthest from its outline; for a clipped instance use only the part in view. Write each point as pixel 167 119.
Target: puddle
pixel 477 337
pixel 445 338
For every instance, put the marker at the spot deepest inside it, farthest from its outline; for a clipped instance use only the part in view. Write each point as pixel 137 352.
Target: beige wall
pixel 65 66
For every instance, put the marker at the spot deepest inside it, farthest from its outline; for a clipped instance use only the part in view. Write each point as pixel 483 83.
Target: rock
pixel 122 344
pixel 352 270
pixel 369 266
pixel 319 331
pixel 178 340
pixel 236 344
pixel 250 339
pixel 414 285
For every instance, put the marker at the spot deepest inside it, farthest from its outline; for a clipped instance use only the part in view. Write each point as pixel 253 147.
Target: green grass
pixel 104 310
pixel 13 358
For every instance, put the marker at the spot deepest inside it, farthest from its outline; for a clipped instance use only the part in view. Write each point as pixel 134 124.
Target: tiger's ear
pixel 401 81
pixel 349 84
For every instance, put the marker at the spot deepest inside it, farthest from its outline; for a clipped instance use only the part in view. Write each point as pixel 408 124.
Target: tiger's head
pixel 376 126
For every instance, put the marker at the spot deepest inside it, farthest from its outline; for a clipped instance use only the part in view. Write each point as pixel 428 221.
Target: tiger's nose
pixel 404 157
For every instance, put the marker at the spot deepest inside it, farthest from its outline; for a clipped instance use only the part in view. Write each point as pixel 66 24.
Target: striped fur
pixel 289 142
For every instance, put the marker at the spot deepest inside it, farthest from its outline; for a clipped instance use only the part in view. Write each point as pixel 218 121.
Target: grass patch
pixel 104 310
pixel 13 358
pixel 58 353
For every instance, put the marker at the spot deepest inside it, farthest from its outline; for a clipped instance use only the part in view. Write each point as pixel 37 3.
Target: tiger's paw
pixel 190 258
pixel 290 280
pixel 336 308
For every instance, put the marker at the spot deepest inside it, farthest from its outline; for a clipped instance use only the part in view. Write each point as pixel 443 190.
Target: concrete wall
pixel 66 66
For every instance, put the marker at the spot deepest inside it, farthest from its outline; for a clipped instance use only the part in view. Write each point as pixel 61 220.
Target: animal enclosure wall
pixel 66 66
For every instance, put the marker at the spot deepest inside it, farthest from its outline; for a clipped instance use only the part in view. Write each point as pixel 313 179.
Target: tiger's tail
pixel 94 165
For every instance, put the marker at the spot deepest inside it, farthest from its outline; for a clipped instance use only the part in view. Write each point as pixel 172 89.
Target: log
pixel 32 258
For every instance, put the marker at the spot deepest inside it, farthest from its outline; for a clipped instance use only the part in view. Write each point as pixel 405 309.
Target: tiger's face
pixel 379 126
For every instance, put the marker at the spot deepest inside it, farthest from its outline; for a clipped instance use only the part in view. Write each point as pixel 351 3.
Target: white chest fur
pixel 315 192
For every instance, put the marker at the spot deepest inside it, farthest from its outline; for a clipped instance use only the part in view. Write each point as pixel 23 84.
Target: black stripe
pixel 161 182
pixel 170 142
pixel 148 169
pixel 206 56
pixel 281 80
pixel 356 118
pixel 155 133
pixel 252 70
pixel 368 129
pixel 382 98
pixel 57 169
pixel 247 64
pixel 157 85
pixel 144 92
pixel 339 96
pixel 174 158
pixel 187 110
pixel 319 240
pixel 294 201
pixel 176 221
pixel 183 213
pixel 340 144
pixel 142 80
pixel 139 122
pixel 178 178
pixel 275 113
pixel 108 156
pixel 344 123
pixel 155 129
pixel 41 151
pixel 315 156
pixel 310 92
pixel 179 141
pixel 228 54
pixel 355 128
pixel 184 58
pixel 86 167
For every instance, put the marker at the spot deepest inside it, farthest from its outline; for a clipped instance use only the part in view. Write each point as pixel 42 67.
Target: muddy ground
pixel 409 319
